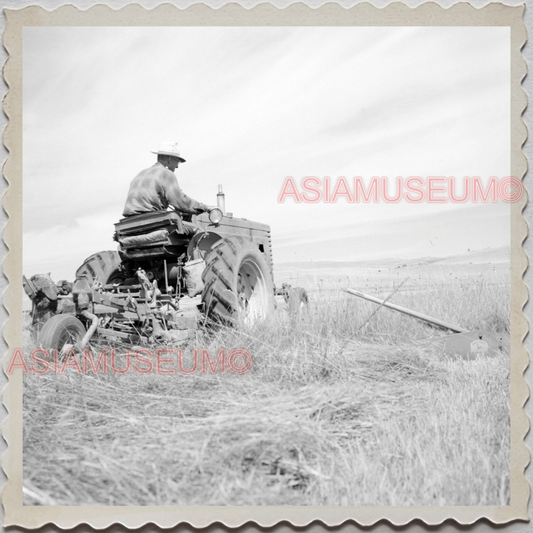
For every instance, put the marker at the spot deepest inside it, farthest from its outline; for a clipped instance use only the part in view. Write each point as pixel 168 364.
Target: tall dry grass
pixel 336 410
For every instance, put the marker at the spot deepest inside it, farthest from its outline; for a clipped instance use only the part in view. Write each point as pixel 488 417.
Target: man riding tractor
pixel 174 269
pixel 156 188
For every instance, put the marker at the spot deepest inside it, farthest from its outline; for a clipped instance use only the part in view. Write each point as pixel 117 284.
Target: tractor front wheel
pixel 238 284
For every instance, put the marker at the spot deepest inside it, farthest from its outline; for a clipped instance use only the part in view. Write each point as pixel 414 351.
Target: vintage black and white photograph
pixel 266 266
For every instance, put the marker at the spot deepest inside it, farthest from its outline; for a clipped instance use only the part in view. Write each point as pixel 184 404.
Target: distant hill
pixel 501 254
pixel 488 255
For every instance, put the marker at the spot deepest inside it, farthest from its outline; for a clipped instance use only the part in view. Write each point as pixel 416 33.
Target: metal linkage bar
pixel 404 310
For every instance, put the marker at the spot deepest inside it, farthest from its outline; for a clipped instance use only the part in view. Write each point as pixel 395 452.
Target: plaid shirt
pixel 155 189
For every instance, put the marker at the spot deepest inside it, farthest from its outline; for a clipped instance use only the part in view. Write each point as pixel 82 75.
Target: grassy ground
pixel 336 410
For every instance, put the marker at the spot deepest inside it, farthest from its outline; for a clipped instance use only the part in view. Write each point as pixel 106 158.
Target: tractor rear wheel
pixel 104 265
pixel 60 330
pixel 238 285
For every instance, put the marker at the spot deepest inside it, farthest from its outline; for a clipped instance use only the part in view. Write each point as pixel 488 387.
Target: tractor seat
pixel 148 222
pixel 152 230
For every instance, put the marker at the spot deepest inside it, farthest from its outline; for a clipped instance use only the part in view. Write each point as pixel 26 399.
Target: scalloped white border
pixel 233 14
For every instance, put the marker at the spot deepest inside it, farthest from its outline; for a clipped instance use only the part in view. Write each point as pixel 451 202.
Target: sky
pixel 250 107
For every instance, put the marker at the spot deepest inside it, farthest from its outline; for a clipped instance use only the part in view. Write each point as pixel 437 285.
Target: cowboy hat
pixel 169 148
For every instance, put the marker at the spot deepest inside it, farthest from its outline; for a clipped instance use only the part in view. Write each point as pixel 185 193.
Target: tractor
pixel 171 273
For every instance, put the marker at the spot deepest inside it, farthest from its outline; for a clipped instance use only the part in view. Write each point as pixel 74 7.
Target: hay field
pixel 336 410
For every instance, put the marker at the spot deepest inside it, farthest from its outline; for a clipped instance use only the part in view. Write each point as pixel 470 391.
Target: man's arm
pixel 178 199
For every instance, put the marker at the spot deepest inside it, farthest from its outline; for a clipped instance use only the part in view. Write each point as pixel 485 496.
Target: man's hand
pixel 202 208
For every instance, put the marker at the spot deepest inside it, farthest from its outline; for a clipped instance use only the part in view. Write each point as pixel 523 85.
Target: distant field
pixel 341 407
pixel 488 268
